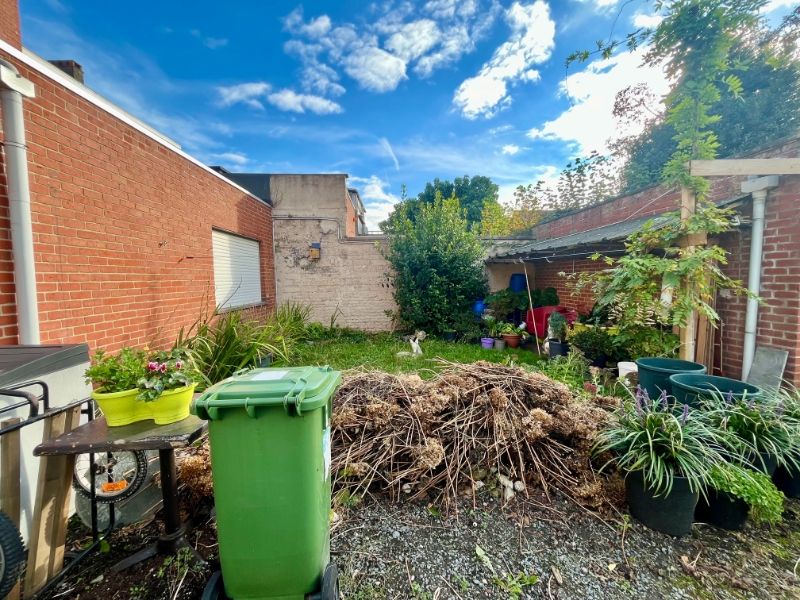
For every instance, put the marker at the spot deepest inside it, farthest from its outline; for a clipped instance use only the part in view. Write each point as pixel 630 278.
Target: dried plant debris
pixel 438 439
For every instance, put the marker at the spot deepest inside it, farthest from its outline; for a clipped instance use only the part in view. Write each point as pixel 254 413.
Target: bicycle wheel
pixel 12 555
pixel 118 475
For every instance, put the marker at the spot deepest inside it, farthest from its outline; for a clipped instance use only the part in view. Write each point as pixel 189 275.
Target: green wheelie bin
pixel 270 439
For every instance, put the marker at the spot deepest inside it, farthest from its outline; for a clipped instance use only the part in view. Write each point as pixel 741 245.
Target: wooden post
pixel 49 525
pixel 688 333
pixel 9 482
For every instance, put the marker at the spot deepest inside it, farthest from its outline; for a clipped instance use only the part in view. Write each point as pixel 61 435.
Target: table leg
pixel 173 539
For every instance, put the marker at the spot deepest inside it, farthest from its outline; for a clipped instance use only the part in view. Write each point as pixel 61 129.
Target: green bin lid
pixel 297 389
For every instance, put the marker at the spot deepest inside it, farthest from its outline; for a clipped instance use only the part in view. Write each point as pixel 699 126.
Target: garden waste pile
pixel 472 425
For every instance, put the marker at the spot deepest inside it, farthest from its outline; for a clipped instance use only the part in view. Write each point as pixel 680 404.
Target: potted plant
pixel 787 477
pixel 115 378
pixel 505 303
pixel 511 335
pixel 668 454
pixel 491 324
pixel 557 335
pixel 596 344
pixel 167 386
pixel 736 493
pixel 449 334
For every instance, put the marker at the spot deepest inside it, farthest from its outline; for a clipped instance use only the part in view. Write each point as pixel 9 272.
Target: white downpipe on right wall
pixel 759 188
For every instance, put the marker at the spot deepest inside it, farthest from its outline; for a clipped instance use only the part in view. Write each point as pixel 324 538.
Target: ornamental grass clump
pixel 663 441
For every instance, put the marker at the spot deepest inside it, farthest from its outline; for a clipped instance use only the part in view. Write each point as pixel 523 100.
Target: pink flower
pixel 590 387
pixel 178 364
pixel 152 366
pixel 163 367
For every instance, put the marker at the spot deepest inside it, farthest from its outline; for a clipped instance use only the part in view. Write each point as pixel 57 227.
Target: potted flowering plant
pixel 167 386
pixel 511 335
pixel 668 453
pixel 115 379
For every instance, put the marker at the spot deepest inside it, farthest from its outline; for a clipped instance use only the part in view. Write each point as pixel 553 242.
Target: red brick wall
pixel 9 22
pixel 122 227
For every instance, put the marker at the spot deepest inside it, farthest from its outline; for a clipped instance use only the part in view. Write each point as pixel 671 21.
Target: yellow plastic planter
pixel 123 408
pixel 172 405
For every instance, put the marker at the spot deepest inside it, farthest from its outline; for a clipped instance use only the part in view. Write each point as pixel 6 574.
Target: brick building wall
pixel 350 280
pixel 122 221
pixel 779 316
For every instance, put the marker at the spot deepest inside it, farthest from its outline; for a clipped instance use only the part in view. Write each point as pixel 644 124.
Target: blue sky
pixel 391 92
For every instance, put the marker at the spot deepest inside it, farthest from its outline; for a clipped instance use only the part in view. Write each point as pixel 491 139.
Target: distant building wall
pixel 350 280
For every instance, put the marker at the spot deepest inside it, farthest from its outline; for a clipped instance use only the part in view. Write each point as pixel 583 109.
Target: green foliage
pixel 227 342
pixel 653 436
pixel 471 193
pixel 557 327
pixel 658 283
pixel 437 264
pixel 166 370
pixel 116 372
pixel 514 585
pixel 636 341
pixel 505 302
pixel 571 370
pixel 596 344
pixel 758 427
pixel 753 487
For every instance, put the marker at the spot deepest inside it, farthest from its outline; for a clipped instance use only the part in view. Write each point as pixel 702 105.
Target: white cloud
pixel 774 5
pixel 646 21
pixel 413 39
pixel 387 148
pixel 214 43
pixel 232 158
pixel 313 28
pixel 375 69
pixel 249 94
pixel 510 149
pixel 377 201
pixel 531 42
pixel 289 100
pixel 589 122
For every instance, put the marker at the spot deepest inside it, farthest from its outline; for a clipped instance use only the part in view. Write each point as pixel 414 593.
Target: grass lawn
pixel 379 352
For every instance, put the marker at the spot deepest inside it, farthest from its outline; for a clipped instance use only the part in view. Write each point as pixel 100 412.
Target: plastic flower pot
pixel 172 405
pixel 766 463
pixel 689 388
pixel 449 336
pixel 722 510
pixel 787 480
pixel 654 373
pixel 671 513
pixel 487 343
pixel 557 348
pixel 499 344
pixel 512 339
pixel 121 408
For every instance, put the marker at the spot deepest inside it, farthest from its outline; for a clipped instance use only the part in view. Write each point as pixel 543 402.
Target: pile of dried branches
pixel 413 438
pixel 429 438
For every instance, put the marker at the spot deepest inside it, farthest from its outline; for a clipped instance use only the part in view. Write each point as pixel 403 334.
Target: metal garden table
pixel 97 437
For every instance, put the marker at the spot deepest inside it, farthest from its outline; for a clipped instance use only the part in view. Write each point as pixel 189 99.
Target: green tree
pixel 437 263
pixel 471 192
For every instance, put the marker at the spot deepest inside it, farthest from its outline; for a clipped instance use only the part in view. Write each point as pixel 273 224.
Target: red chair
pixel 536 319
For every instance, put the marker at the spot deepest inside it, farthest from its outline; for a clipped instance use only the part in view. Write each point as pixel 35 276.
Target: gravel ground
pixel 393 551
pixel 403 551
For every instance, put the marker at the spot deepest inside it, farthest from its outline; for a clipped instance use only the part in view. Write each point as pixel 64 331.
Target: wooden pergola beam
pixel 744 166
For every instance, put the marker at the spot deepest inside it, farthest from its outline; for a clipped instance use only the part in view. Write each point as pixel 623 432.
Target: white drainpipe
pixel 759 188
pixel 13 87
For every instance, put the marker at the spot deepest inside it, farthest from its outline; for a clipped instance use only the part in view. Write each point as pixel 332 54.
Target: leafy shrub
pixel 505 302
pixel 596 344
pixel 557 327
pixel 571 370
pixel 757 489
pixel 437 264
pixel 117 372
pixel 638 341
pixel 545 297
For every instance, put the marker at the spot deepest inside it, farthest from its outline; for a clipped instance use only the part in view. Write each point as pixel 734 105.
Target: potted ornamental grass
pixel 557 335
pixel 130 386
pixel 787 477
pixel 115 378
pixel 668 453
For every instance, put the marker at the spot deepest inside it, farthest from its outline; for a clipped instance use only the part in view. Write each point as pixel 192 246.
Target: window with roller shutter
pixel 237 270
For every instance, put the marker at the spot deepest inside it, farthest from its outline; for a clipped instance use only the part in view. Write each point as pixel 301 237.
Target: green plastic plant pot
pixel 269 433
pixel 654 373
pixel 671 513
pixel 690 388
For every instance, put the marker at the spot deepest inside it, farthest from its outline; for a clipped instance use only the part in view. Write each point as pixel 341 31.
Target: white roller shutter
pixel 237 270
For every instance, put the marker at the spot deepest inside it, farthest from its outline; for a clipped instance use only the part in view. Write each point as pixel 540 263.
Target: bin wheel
pixel 214 590
pixel 330 583
pixel 12 555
